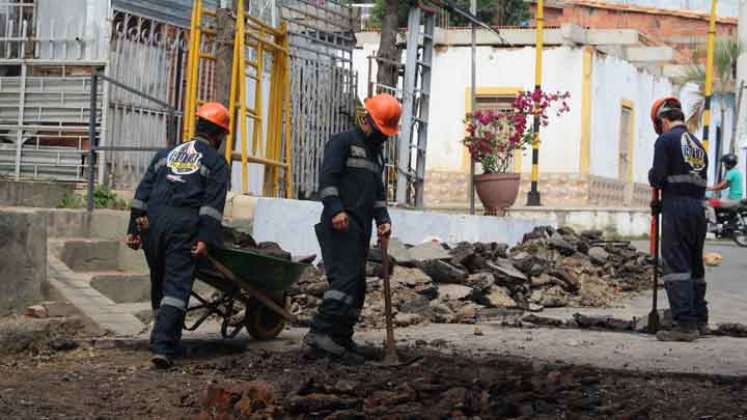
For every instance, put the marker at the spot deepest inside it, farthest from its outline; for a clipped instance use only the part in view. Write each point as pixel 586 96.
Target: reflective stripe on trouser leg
pixel 175 302
pixel 176 239
pixel 344 261
pixel 683 226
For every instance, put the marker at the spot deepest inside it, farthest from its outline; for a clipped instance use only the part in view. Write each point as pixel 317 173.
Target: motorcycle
pixel 731 222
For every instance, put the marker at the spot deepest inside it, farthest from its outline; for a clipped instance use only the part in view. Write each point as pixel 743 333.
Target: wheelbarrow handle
pixel 260 295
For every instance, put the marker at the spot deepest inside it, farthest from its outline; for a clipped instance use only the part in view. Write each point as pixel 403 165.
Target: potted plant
pixel 492 137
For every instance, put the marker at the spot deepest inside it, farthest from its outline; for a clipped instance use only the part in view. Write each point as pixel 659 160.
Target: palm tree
pixel 725 73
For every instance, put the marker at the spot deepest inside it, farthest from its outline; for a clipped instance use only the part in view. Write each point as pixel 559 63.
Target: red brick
pixel 655 24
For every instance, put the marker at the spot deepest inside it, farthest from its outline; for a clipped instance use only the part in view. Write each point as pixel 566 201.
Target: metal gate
pixel 148 56
pixel 323 83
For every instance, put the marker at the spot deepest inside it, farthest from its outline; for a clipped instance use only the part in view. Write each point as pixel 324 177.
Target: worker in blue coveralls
pixel 680 172
pixel 176 217
pixel 353 193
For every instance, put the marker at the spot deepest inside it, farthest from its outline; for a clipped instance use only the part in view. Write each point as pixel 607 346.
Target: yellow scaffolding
pixel 201 60
pixel 256 44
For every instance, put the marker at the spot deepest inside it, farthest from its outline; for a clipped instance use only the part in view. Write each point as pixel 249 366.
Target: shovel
pixel 390 355
pixel 653 317
pixel 391 358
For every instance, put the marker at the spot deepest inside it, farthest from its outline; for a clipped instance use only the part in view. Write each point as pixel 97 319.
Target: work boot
pixel 323 345
pixel 161 361
pixel 349 344
pixel 353 347
pixel 682 334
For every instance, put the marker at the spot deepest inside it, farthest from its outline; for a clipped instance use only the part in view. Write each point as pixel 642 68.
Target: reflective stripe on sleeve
pixel 139 205
pixel 211 212
pixel 329 192
pixel 362 164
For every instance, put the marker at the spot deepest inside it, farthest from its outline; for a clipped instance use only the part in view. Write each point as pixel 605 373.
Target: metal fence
pixel 53 30
pixel 323 83
pixel 44 114
pixel 148 56
pixel 144 152
pixel 48 52
pixel 45 71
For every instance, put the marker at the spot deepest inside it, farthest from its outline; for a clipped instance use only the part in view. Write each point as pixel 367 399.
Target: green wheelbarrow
pixel 252 292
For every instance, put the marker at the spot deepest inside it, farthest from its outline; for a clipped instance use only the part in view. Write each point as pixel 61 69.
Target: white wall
pixel 87 20
pixel 496 68
pixel 613 80
pixel 290 223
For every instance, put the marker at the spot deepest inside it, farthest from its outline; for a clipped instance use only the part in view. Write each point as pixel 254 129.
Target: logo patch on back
pixel 184 159
pixel 692 152
pixel 357 151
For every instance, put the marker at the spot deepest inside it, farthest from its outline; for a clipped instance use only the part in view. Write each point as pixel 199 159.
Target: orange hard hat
pixel 216 113
pixel 661 106
pixel 385 111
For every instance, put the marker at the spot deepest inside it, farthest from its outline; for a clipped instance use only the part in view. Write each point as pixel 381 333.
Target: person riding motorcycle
pixel 734 182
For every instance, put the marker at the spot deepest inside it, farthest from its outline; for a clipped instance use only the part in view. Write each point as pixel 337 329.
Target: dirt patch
pixel 88 383
pixel 23 334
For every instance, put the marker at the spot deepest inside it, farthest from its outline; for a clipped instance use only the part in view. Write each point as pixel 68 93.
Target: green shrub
pixel 71 200
pixel 103 198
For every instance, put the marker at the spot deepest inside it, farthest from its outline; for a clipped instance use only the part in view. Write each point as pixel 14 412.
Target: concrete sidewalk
pixel 722 356
pixel 609 350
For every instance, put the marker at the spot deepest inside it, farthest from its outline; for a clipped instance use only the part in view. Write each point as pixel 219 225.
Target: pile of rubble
pixel 437 283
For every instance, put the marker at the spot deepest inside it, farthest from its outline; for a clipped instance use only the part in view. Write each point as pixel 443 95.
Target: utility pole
pixel 709 75
pixel 735 122
pixel 533 197
pixel 740 119
pixel 473 106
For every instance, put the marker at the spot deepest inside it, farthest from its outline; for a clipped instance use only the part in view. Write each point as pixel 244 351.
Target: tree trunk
pixel 500 14
pixel 389 54
pixel 224 53
pixel 224 39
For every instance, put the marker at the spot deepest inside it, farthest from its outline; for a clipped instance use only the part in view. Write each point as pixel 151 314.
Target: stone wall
pixel 449 190
pixel 23 258
pixel 32 193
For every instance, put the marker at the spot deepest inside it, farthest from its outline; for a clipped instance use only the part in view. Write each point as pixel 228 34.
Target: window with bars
pixel 494 103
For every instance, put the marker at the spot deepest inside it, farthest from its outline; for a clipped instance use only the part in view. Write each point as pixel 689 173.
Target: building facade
pixel 681 26
pixel 597 154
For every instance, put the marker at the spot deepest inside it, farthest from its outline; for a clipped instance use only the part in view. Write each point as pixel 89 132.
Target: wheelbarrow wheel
pixel 261 322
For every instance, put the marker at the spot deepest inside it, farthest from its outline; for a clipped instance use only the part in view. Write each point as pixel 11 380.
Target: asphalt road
pixel 727 283
pixel 726 294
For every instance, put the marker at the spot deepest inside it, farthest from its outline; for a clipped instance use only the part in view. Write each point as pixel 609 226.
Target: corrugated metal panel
pixel 177 12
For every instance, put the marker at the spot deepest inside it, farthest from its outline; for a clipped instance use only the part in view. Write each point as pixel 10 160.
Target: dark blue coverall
pixel 183 194
pixel 680 171
pixel 351 181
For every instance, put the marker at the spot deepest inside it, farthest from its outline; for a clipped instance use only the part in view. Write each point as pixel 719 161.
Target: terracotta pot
pixel 497 192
